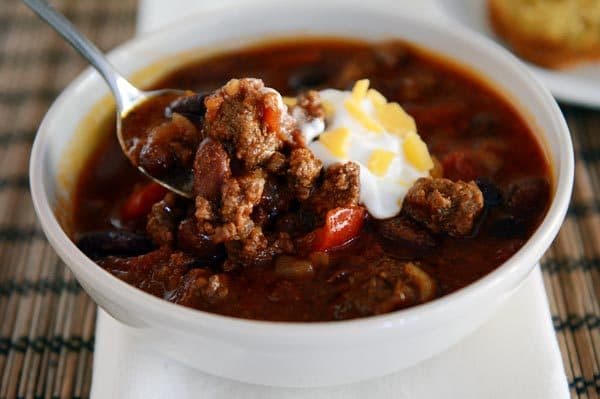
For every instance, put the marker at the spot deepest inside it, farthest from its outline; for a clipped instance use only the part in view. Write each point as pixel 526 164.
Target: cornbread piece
pixel 553 34
pixel 252 117
pixel 444 206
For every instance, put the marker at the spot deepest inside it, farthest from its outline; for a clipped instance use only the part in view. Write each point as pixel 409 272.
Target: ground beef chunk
pixel 252 170
pixel 254 250
pixel 232 218
pixel 163 220
pixel 257 249
pixel 340 188
pixel 403 230
pixel 211 168
pixel 170 145
pixel 276 164
pixel 303 172
pixel 218 287
pixel 250 116
pixel 311 104
pixel 444 206
pixel 239 196
pixel 200 287
pixel 382 287
pixel 205 215
pixel 190 292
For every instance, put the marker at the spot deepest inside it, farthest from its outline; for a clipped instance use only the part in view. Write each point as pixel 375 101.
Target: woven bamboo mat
pixel 47 321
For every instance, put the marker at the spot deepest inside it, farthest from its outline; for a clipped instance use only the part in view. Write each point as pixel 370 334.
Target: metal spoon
pixel 127 96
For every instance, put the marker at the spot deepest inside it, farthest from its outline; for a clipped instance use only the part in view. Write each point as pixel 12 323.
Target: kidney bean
pixel 100 244
pixel 525 195
pixel 492 196
pixel 307 77
pixel 211 167
pixel 190 240
pixel 192 107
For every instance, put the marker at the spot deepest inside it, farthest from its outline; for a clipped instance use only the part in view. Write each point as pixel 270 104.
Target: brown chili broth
pixel 445 102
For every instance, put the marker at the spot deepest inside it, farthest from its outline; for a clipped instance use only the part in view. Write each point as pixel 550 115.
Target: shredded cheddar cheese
pixel 359 91
pixel 394 119
pixel 362 126
pixel 355 110
pixel 329 108
pixel 289 101
pixel 336 141
pixel 416 152
pixel 379 162
pixel 376 97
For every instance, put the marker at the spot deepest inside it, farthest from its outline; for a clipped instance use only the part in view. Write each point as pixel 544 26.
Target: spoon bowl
pixel 179 183
pixel 127 96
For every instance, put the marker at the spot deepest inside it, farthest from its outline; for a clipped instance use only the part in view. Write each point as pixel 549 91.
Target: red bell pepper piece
pixel 140 201
pixel 341 226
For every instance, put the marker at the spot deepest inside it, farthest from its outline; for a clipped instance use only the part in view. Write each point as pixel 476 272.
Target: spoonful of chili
pixel 129 99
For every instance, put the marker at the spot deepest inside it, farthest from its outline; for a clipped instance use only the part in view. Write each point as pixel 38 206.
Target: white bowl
pixel 301 354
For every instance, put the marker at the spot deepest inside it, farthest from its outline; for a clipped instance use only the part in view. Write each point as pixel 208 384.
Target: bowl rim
pixel 176 316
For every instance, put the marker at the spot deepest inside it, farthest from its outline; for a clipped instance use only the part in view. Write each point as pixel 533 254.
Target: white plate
pixel 580 85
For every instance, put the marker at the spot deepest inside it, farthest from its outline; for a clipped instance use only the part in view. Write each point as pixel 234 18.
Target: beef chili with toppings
pixel 276 232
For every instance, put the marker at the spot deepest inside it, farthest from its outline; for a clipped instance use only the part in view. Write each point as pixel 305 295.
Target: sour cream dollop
pixel 363 127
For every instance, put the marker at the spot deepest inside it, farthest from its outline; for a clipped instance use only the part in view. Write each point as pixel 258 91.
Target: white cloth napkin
pixel 514 355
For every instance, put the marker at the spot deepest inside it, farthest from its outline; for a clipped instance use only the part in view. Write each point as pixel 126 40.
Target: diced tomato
pixel 140 201
pixel 271 119
pixel 341 226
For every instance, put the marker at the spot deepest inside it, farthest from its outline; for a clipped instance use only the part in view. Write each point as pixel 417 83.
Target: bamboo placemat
pixel 47 321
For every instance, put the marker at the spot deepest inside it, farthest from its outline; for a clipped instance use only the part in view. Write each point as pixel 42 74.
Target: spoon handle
pixel 125 93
